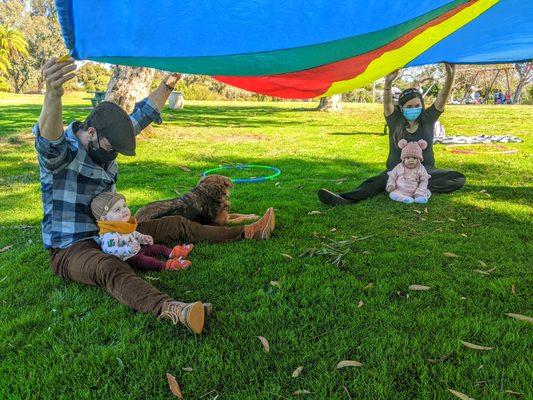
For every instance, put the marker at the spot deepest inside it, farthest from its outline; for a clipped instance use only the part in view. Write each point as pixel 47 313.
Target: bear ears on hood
pixel 422 143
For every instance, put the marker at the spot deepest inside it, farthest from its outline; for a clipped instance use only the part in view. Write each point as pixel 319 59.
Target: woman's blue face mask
pixel 411 114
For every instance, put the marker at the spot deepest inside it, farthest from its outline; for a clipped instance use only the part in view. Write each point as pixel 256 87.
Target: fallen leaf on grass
pixel 475 346
pixel 308 252
pixel 265 343
pixel 464 235
pixel 419 287
pixel 314 212
pixel 174 387
pixel 460 395
pixel 348 363
pixel 451 255
pixel 520 317
pixel 366 252
pixel 513 392
pixel 301 391
pixel 482 263
pixel 287 256
pixel 6 248
pixel 187 369
pixel 360 304
pixel 275 283
pixel 370 285
pixel 513 289
pixel 333 230
pixel 417 211
pixel 426 210
pixel 184 168
pixel 487 272
pixel 451 220
pixel 296 373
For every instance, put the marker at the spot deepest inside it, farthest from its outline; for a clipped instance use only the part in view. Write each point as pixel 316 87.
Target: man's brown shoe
pixel 192 315
pixel 262 229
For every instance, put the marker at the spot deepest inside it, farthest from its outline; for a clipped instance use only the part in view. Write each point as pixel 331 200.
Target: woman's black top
pixel 424 131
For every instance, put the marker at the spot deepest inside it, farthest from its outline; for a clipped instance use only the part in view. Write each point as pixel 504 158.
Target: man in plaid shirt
pixel 77 164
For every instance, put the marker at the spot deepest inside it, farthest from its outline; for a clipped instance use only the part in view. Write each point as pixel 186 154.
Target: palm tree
pixel 12 45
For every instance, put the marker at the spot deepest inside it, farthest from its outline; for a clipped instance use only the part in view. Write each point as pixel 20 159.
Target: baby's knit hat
pixel 102 203
pixel 412 149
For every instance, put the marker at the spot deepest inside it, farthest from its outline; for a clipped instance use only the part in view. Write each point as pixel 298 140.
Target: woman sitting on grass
pixel 411 121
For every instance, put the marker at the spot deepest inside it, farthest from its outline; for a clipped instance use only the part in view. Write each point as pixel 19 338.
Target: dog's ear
pixel 228 182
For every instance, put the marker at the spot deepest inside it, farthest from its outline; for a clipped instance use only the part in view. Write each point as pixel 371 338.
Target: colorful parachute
pixel 296 48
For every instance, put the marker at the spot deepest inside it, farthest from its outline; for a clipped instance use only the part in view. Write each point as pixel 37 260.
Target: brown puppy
pixel 208 204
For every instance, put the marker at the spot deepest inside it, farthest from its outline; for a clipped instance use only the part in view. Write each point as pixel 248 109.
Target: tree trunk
pixel 129 85
pixel 526 76
pixel 332 103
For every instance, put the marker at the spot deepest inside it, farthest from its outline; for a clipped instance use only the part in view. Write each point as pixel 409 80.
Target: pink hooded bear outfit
pixel 406 184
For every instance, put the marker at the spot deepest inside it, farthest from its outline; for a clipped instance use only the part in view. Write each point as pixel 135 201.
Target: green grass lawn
pixel 61 340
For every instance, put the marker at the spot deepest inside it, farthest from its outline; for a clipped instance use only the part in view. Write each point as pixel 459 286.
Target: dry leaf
pixel 6 248
pixel 301 391
pixel 460 395
pixel 366 252
pixel 348 363
pixel 174 387
pixel 314 212
pixel 265 343
pixel 419 287
pixel 487 272
pixel 187 369
pixel 333 230
pixel 513 392
pixel 482 263
pixel 464 235
pixel 296 373
pixel 513 289
pixel 520 317
pixel 475 346
pixel 370 285
pixel 451 255
pixel 360 304
pixel 275 283
pixel 417 211
pixel 426 210
pixel 184 168
pixel 451 220
pixel 287 256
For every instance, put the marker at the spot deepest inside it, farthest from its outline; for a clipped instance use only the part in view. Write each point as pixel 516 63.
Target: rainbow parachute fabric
pixel 296 48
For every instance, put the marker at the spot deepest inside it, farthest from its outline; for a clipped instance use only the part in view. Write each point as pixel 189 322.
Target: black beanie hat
pixel 113 123
pixel 409 94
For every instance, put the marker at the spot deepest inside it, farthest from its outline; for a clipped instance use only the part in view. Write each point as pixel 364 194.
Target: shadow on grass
pixel 17 118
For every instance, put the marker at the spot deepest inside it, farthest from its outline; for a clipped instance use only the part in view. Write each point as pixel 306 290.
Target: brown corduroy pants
pixel 86 263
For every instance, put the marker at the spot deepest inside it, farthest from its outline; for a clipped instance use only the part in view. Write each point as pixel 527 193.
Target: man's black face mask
pixel 99 155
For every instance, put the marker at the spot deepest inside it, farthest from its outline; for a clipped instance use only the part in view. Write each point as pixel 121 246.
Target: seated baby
pixel 408 181
pixel 119 237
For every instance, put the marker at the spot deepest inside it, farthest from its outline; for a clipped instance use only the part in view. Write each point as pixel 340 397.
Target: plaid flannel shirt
pixel 70 179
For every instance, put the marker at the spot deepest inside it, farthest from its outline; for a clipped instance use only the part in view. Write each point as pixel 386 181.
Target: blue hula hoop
pixel 275 174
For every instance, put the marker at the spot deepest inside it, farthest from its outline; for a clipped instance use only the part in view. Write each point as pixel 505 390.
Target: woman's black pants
pixel 441 181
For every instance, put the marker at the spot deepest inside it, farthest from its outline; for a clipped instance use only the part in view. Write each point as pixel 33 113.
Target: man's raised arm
pixel 160 95
pixel 56 73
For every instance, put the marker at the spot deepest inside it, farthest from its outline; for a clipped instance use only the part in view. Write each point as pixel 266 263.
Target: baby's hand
pixel 135 247
pixel 147 239
pixel 390 188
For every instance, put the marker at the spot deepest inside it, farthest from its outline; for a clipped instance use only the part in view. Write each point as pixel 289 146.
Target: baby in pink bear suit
pixel 408 181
